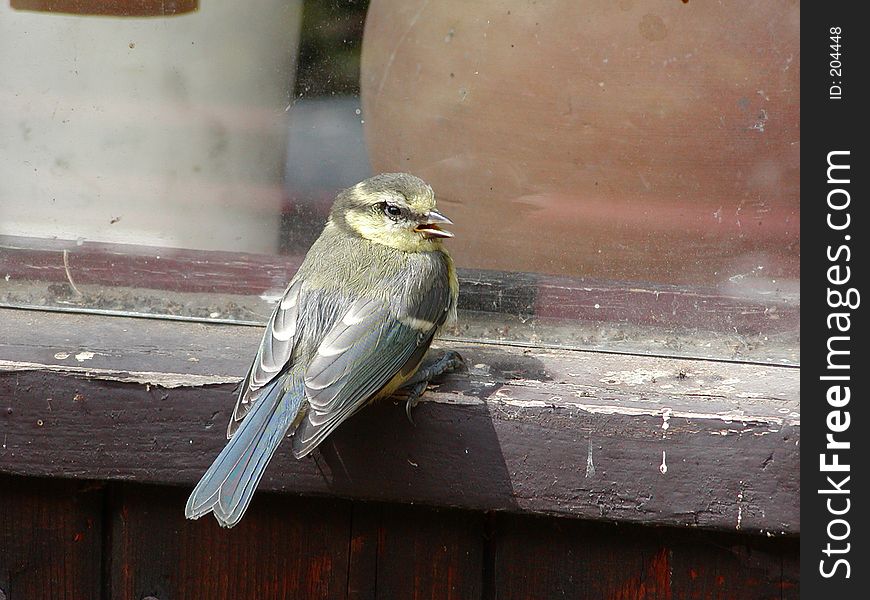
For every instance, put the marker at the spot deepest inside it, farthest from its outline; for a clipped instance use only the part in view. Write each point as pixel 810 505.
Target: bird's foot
pixel 449 362
pixel 414 393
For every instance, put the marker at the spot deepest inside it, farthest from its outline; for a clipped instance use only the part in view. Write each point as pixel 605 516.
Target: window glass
pixel 623 176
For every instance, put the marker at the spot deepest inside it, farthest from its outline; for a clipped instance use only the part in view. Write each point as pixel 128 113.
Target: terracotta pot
pixel 636 140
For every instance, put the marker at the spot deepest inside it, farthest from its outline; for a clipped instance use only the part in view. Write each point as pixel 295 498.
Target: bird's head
pixel 394 209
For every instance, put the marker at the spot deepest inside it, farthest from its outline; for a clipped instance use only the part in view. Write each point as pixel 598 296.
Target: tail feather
pixel 227 487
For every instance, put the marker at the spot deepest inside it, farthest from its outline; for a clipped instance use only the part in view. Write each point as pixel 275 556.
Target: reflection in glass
pixel 623 176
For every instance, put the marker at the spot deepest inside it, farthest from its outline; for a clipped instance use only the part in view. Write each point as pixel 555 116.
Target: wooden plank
pixel 554 558
pixel 735 567
pixel 285 548
pixel 50 539
pixel 543 558
pixel 429 554
pixel 363 572
pixel 610 437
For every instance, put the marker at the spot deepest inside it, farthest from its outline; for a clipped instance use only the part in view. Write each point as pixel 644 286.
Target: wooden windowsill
pixel 613 437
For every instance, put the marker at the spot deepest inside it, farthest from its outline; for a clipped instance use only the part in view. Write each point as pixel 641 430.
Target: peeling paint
pixel 634 377
pixel 166 380
pixel 526 403
pixel 728 417
pixel 590 466
pixel 666 416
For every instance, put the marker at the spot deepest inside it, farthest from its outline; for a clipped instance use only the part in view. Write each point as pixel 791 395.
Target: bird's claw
pixel 454 362
pixel 414 399
pixel 451 361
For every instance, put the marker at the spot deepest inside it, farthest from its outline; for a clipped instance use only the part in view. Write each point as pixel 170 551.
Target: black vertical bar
pixel 834 472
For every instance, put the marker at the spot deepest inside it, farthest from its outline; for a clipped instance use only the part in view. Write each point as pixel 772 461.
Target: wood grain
pixel 53 545
pixel 429 554
pixel 285 548
pixel 538 558
pixel 607 437
pixel 50 539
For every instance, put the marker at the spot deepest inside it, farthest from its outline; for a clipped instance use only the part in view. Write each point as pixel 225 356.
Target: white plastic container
pixel 166 130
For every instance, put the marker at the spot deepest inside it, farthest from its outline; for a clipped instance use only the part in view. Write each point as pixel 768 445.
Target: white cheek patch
pixel 364 226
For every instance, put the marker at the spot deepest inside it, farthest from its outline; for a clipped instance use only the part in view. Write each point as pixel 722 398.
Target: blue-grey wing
pixel 362 352
pixel 275 353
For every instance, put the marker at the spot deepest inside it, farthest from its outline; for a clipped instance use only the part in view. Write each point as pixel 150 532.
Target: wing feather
pixel 363 352
pixel 273 357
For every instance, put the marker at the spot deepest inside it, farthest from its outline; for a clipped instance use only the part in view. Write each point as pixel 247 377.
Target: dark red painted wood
pixel 52 545
pixel 362 576
pixel 735 568
pixel 424 553
pixel 50 539
pixel 284 548
pixel 538 558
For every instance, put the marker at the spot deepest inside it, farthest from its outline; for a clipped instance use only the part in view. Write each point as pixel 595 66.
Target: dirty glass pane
pixel 623 176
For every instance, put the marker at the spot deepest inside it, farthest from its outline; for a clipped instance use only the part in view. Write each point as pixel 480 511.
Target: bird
pixel 353 326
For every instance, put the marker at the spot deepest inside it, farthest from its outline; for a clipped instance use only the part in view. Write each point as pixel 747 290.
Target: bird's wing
pixel 273 357
pixel 361 353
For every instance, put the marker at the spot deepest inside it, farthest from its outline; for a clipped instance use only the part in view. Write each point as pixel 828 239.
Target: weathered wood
pixel 285 548
pixel 548 558
pixel 51 543
pixel 50 539
pixel 413 552
pixel 612 437
pixel 363 572
pixel 536 557
pixel 734 567
pixel 429 554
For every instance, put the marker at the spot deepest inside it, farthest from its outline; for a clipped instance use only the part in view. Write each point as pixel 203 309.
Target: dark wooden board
pixel 429 554
pixel 536 557
pixel 362 576
pixel 285 548
pixel 413 552
pixel 50 539
pixel 52 545
pixel 539 559
pixel 610 437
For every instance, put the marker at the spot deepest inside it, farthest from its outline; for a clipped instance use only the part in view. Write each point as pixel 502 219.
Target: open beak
pixel 430 227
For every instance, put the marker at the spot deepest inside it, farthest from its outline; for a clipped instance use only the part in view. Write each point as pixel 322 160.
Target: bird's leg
pixel 448 362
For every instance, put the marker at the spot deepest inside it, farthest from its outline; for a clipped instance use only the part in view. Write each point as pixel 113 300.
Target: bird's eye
pixel 391 210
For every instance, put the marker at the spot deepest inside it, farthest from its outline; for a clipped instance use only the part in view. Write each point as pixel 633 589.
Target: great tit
pixel 353 326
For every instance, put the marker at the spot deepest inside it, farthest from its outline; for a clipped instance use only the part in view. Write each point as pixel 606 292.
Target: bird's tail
pixel 227 487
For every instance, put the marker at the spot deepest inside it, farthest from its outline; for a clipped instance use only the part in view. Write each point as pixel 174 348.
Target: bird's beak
pixel 430 227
